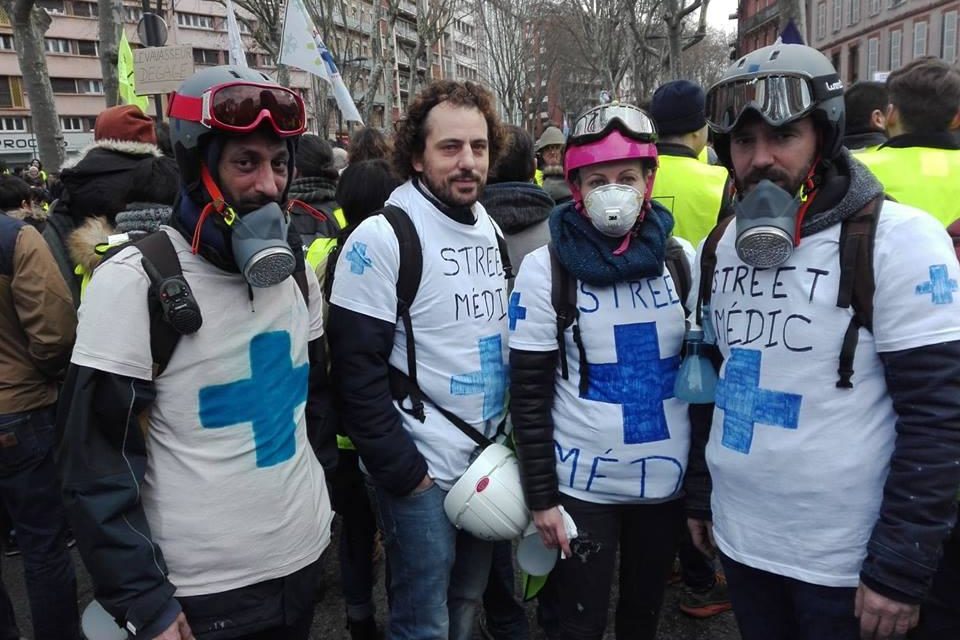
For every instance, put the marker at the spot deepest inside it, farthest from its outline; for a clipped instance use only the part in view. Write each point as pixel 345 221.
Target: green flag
pixel 128 93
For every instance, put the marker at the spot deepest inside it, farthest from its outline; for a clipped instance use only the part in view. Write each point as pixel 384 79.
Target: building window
pixel 80 124
pixel 251 58
pixel 853 15
pixel 896 49
pixel 853 64
pixel 919 39
pixel 90 86
pixel 206 56
pixel 950 36
pixel 9 123
pixel 85 9
pixel 195 21
pixel 6 41
pixel 873 57
pixel 53 6
pixel 132 14
pixel 63 85
pixel 837 14
pixel 874 7
pixel 87 47
pixel 56 45
pixel 821 21
pixel 11 92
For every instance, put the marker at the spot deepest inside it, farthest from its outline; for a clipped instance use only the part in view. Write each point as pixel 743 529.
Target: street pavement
pixel 329 619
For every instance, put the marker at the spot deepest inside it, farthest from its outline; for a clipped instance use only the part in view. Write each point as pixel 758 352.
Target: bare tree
pixel 434 17
pixel 505 25
pixel 30 22
pixel 598 39
pixel 675 18
pixel 706 61
pixel 111 21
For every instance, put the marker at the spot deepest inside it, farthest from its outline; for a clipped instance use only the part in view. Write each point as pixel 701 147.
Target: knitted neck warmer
pixel 588 254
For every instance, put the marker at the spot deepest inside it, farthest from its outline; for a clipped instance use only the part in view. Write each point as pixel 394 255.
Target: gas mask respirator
pixel 260 247
pixel 766 225
pixel 613 209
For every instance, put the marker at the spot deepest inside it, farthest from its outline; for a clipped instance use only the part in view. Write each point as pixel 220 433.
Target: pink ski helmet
pixel 608 133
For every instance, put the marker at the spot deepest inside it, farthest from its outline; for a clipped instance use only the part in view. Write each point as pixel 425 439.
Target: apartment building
pixel 865 39
pixel 74 65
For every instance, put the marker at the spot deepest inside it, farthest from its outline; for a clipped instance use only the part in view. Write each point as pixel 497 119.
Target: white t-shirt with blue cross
pixel 798 465
pixel 459 321
pixel 626 439
pixel 233 492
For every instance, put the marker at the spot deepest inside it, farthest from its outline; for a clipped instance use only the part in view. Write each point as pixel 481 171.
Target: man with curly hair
pixel 396 409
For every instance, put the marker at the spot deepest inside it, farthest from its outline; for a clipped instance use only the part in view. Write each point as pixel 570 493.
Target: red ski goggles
pixel 241 107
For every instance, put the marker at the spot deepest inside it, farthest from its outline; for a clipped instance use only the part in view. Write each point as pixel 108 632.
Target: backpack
pixel 408 283
pixel 312 223
pixel 857 284
pixel 169 292
pixel 563 296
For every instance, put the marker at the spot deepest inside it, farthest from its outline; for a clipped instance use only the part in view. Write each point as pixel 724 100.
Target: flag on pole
pixel 238 57
pixel 302 47
pixel 128 92
pixel 791 34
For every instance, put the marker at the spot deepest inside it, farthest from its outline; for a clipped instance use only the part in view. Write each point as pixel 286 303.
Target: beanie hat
pixel 550 137
pixel 678 107
pixel 126 123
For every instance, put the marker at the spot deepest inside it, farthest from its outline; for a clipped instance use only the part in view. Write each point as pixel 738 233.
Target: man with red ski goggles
pixel 241 107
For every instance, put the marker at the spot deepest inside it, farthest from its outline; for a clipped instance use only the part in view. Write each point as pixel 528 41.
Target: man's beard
pixel 446 191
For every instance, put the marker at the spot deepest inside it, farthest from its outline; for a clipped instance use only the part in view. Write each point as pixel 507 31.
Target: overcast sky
pixel 717 14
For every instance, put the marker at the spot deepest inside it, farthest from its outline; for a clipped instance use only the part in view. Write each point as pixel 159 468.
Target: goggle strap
pixel 219 203
pixel 185 108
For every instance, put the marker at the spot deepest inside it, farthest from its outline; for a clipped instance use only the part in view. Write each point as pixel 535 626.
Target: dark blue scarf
pixel 588 254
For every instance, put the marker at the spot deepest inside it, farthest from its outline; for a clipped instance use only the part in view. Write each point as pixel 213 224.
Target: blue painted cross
pixel 357 257
pixel 491 380
pixel 744 403
pixel 268 399
pixel 940 286
pixel 514 311
pixel 640 381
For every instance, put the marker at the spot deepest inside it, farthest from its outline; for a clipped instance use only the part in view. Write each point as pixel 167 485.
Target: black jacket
pixel 533 377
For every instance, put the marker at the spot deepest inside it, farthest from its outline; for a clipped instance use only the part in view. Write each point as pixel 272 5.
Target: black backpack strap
pixel 160 261
pixel 408 282
pixel 563 296
pixel 679 268
pixel 708 264
pixel 504 257
pixel 857 284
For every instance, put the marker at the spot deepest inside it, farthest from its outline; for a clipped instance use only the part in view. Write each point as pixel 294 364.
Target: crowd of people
pixel 711 339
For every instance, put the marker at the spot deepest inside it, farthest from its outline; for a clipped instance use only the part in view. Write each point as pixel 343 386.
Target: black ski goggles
pixel 778 99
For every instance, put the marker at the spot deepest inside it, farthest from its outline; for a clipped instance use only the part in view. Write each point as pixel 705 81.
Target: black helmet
pixel 781 83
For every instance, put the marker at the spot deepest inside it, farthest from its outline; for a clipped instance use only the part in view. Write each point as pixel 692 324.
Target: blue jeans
pixel 773 607
pixel 437 573
pixel 30 490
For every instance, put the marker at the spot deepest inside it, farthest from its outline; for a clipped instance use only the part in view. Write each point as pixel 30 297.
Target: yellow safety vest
pixel 538 177
pixel 921 177
pixel 317 254
pixel 321 247
pixel 692 191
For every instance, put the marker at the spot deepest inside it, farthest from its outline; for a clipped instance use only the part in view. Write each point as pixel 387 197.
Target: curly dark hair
pixel 411 136
pixel 368 144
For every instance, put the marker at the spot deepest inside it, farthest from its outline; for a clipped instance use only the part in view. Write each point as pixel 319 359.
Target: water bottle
pixel 696 381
